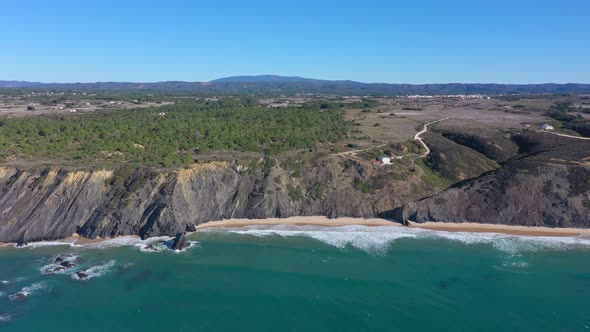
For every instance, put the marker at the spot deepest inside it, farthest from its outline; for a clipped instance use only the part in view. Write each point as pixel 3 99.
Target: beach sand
pixel 347 221
pixel 435 226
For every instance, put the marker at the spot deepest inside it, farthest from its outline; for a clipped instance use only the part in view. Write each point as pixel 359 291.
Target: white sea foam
pixel 53 268
pixel 153 244
pixel 58 268
pixel 115 242
pixel 95 271
pixel 5 318
pixel 27 291
pixel 151 247
pixel 120 241
pixel 33 245
pixel 378 239
pixel 159 244
pixel 16 280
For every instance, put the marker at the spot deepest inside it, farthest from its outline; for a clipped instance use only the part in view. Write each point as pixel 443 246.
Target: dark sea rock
pixel 82 275
pixel 67 264
pixel 60 259
pixel 179 242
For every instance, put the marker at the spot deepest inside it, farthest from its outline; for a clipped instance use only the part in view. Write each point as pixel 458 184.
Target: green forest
pixel 171 135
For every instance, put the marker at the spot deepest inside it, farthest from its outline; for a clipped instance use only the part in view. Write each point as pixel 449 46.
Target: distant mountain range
pixel 288 85
pixel 266 79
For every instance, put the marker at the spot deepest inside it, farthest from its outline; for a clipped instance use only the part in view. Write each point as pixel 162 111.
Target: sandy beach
pixel 299 221
pixel 372 222
pixel 436 226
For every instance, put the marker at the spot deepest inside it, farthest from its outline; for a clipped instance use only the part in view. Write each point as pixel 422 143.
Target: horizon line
pixel 283 76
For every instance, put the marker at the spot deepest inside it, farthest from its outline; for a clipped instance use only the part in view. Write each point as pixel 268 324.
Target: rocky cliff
pixel 547 185
pixel 55 203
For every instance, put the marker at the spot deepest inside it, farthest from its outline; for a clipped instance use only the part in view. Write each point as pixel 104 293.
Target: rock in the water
pixel 82 275
pixel 59 259
pixel 64 258
pixel 67 264
pixel 179 242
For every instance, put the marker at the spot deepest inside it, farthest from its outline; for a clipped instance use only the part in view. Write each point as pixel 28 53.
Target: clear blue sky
pixel 428 41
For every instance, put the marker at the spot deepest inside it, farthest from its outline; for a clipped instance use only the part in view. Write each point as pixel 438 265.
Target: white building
pixel 547 126
pixel 385 160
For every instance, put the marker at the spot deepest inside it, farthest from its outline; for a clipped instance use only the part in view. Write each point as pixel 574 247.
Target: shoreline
pixel 531 231
pixel 76 239
pixel 374 222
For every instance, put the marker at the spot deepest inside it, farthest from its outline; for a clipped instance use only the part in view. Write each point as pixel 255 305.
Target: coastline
pixel 298 221
pixel 78 240
pixel 372 222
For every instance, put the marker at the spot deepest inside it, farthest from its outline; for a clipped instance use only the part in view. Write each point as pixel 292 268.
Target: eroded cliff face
pixel 543 197
pixel 548 185
pixel 56 203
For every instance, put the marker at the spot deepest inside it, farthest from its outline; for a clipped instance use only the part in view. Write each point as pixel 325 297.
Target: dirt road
pixel 418 137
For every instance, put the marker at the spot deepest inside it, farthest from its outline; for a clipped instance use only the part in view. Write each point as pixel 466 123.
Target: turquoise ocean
pixel 350 278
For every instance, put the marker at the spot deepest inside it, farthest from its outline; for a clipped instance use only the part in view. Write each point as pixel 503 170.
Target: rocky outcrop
pixel 179 242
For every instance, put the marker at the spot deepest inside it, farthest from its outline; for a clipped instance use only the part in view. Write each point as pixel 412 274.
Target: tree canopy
pixel 169 135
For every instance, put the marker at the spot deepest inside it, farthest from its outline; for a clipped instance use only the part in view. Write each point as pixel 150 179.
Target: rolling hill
pixel 289 85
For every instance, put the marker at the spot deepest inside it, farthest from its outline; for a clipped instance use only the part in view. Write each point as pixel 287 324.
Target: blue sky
pixel 391 41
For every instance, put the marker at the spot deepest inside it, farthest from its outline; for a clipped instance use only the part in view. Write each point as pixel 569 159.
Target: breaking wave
pixel 109 243
pixel 154 244
pixel 378 239
pixel 94 271
pixel 159 245
pixel 67 262
pixel 27 291
pixel 17 280
pixel 5 318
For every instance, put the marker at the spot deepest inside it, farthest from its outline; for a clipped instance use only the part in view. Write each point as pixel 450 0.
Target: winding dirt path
pixel 418 137
pixel 565 135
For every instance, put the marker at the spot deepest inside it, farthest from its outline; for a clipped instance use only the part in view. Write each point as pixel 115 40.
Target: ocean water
pixel 349 278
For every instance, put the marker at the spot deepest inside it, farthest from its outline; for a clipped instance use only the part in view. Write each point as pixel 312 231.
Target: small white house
pixel 547 126
pixel 161 114
pixel 385 160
